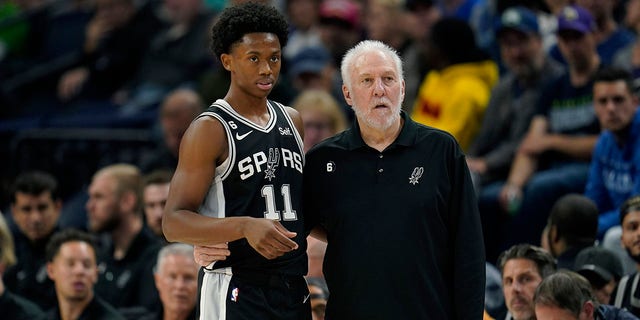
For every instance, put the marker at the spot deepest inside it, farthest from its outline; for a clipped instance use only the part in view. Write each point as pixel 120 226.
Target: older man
pixel 176 277
pixel 390 178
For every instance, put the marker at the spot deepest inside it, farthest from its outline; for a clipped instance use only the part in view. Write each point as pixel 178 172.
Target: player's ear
pixel 226 61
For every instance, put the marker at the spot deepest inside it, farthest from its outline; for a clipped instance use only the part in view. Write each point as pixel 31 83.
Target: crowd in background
pixel 541 95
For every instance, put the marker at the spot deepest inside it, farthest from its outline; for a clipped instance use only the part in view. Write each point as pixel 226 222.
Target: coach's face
pixel 520 278
pixel 376 90
pixel 254 63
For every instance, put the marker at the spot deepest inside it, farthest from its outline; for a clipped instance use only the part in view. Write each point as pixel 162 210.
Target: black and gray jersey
pixel 261 178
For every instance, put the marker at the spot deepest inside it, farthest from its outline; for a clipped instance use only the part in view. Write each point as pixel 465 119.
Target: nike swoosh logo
pixel 240 137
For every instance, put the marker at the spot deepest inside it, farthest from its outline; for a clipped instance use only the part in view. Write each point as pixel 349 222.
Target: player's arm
pixel 203 145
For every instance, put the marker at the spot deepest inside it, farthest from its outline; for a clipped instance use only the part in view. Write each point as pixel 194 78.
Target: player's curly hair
pixel 250 17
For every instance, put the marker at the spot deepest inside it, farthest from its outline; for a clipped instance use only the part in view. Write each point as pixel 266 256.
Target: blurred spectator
pixel 23 30
pixel 484 20
pixel 176 277
pixel 382 21
pixel 615 166
pixel 556 6
pixel 628 58
pixel 627 293
pixel 318 295
pixel 116 39
pixel 454 94
pixel 571 227
pixel 485 17
pixel 126 261
pixel 603 268
pixel 304 16
pixel 417 21
pixel 607 34
pixel 460 9
pixel 320 115
pixel 340 26
pixel 72 265
pixel 154 196
pixel 177 111
pixel 54 43
pixel 553 158
pixel 386 21
pixel 567 295
pixel 312 68
pixel 177 56
pixel 12 305
pixel 611 37
pixel 631 18
pixel 523 267
pixel 513 100
pixel 35 208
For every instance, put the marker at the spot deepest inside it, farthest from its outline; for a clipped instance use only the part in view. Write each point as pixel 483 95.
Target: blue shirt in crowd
pixel 615 174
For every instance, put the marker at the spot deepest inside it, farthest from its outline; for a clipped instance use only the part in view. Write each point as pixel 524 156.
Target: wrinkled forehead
pixel 374 62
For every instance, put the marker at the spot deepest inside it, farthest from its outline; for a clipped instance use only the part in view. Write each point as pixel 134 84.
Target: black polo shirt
pixel 128 282
pixel 28 278
pixel 404 234
pixel 18 308
pixel 97 309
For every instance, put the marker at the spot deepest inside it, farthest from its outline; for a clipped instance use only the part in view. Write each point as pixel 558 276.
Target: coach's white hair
pixel 364 47
pixel 173 249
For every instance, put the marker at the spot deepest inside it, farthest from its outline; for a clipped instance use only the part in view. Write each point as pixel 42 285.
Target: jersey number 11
pixel 269 197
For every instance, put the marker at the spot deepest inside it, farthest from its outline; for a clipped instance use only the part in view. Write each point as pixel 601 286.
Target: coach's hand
pixel 205 255
pixel 269 237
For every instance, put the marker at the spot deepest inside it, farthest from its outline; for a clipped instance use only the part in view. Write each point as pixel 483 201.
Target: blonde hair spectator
pixel 128 179
pixel 321 115
pixel 7 254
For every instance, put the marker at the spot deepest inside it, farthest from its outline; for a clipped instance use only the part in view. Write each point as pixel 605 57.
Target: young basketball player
pixel 239 179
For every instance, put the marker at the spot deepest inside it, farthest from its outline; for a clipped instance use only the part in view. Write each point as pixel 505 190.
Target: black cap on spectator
pixel 599 264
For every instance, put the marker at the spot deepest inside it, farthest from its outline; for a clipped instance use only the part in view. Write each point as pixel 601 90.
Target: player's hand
pixel 269 237
pixel 205 255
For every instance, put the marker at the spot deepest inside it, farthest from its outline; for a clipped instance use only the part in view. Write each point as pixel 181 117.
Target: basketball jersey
pixel 261 178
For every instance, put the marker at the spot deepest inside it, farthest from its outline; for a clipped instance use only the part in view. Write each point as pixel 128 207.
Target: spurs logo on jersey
pixel 259 162
pixel 272 163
